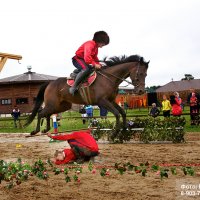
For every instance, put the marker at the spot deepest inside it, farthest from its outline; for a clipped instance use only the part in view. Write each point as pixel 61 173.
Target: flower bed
pixel 14 173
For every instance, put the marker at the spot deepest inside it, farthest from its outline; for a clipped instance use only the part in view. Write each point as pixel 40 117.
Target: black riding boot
pixel 74 73
pixel 79 78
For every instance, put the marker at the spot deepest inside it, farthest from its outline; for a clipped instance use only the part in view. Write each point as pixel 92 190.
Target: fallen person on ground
pixel 83 147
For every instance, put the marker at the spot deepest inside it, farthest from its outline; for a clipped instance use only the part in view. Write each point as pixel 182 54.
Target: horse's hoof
pixel 33 132
pixel 45 130
pixel 113 135
pixel 125 129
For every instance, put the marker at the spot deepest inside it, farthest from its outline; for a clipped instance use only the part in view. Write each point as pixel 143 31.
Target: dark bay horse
pixel 103 91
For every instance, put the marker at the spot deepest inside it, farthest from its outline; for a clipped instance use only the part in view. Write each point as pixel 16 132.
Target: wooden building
pixel 21 90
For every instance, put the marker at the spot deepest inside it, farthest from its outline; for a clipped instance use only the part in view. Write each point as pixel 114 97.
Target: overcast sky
pixel 48 32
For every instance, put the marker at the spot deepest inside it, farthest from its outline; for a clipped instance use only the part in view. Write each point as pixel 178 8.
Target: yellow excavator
pixel 5 56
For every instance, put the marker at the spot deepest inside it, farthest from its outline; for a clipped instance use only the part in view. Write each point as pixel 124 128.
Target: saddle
pixel 86 83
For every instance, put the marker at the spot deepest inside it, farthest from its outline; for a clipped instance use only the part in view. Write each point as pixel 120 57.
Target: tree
pixel 151 89
pixel 188 77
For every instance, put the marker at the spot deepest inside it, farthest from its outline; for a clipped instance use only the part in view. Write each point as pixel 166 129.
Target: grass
pixel 72 121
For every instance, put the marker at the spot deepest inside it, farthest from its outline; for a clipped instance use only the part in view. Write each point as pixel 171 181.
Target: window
pixel 22 101
pixel 6 102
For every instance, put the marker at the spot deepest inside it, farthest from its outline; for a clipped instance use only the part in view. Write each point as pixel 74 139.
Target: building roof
pixel 126 88
pixel 182 85
pixel 27 77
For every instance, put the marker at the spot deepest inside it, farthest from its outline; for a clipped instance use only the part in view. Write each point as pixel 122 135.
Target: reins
pixel 122 79
pixel 105 74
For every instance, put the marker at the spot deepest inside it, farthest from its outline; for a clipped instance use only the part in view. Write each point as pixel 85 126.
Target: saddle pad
pixel 87 83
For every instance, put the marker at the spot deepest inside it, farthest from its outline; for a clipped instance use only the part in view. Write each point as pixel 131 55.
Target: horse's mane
pixel 116 60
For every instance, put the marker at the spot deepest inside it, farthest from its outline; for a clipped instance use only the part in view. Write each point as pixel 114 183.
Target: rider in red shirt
pixel 86 57
pixel 88 52
pixel 83 146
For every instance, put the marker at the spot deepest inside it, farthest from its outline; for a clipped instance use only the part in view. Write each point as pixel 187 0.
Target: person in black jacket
pixel 15 114
pixel 83 113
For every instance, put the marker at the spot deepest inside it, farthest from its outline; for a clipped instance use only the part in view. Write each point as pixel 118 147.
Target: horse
pixel 103 90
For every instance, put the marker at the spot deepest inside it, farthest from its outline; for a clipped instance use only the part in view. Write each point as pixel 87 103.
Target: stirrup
pixel 73 75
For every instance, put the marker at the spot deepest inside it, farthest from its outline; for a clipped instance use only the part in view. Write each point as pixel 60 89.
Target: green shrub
pixel 148 129
pixel 169 129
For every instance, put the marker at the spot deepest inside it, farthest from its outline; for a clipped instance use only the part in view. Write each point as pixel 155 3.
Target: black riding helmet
pixel 101 37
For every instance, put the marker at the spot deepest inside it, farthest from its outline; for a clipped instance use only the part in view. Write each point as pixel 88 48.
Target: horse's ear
pixel 148 62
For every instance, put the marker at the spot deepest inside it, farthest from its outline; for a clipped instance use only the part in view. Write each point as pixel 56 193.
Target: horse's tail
pixel 38 103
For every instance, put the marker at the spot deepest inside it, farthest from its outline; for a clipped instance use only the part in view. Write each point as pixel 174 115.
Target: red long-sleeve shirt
pixel 80 138
pixel 69 156
pixel 176 108
pixel 88 51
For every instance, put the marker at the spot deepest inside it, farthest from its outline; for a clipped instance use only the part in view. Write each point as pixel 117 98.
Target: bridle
pixel 105 74
pixel 136 75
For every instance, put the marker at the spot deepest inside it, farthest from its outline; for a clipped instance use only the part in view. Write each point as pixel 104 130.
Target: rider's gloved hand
pixel 97 66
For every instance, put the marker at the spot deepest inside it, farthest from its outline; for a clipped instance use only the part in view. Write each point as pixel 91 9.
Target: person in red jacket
pixel 83 147
pixel 86 57
pixel 176 101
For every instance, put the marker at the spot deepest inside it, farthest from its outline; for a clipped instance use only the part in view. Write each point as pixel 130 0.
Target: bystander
pixel 15 114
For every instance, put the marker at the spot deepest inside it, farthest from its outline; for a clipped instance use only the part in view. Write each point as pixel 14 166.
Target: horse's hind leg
pixel 48 124
pixel 44 113
pixel 37 126
pixel 49 110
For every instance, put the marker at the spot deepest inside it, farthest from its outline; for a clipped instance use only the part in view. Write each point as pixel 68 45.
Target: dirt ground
pixel 93 186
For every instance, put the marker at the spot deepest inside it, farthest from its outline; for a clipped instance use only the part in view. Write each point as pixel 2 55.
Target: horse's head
pixel 138 75
pixel 133 66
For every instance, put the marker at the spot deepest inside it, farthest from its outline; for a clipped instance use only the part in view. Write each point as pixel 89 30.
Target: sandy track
pixel 115 186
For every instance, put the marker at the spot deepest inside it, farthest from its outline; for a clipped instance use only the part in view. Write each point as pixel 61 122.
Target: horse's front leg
pixel 122 112
pixel 110 107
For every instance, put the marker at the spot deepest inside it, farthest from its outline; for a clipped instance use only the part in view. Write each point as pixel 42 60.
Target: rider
pixel 86 57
